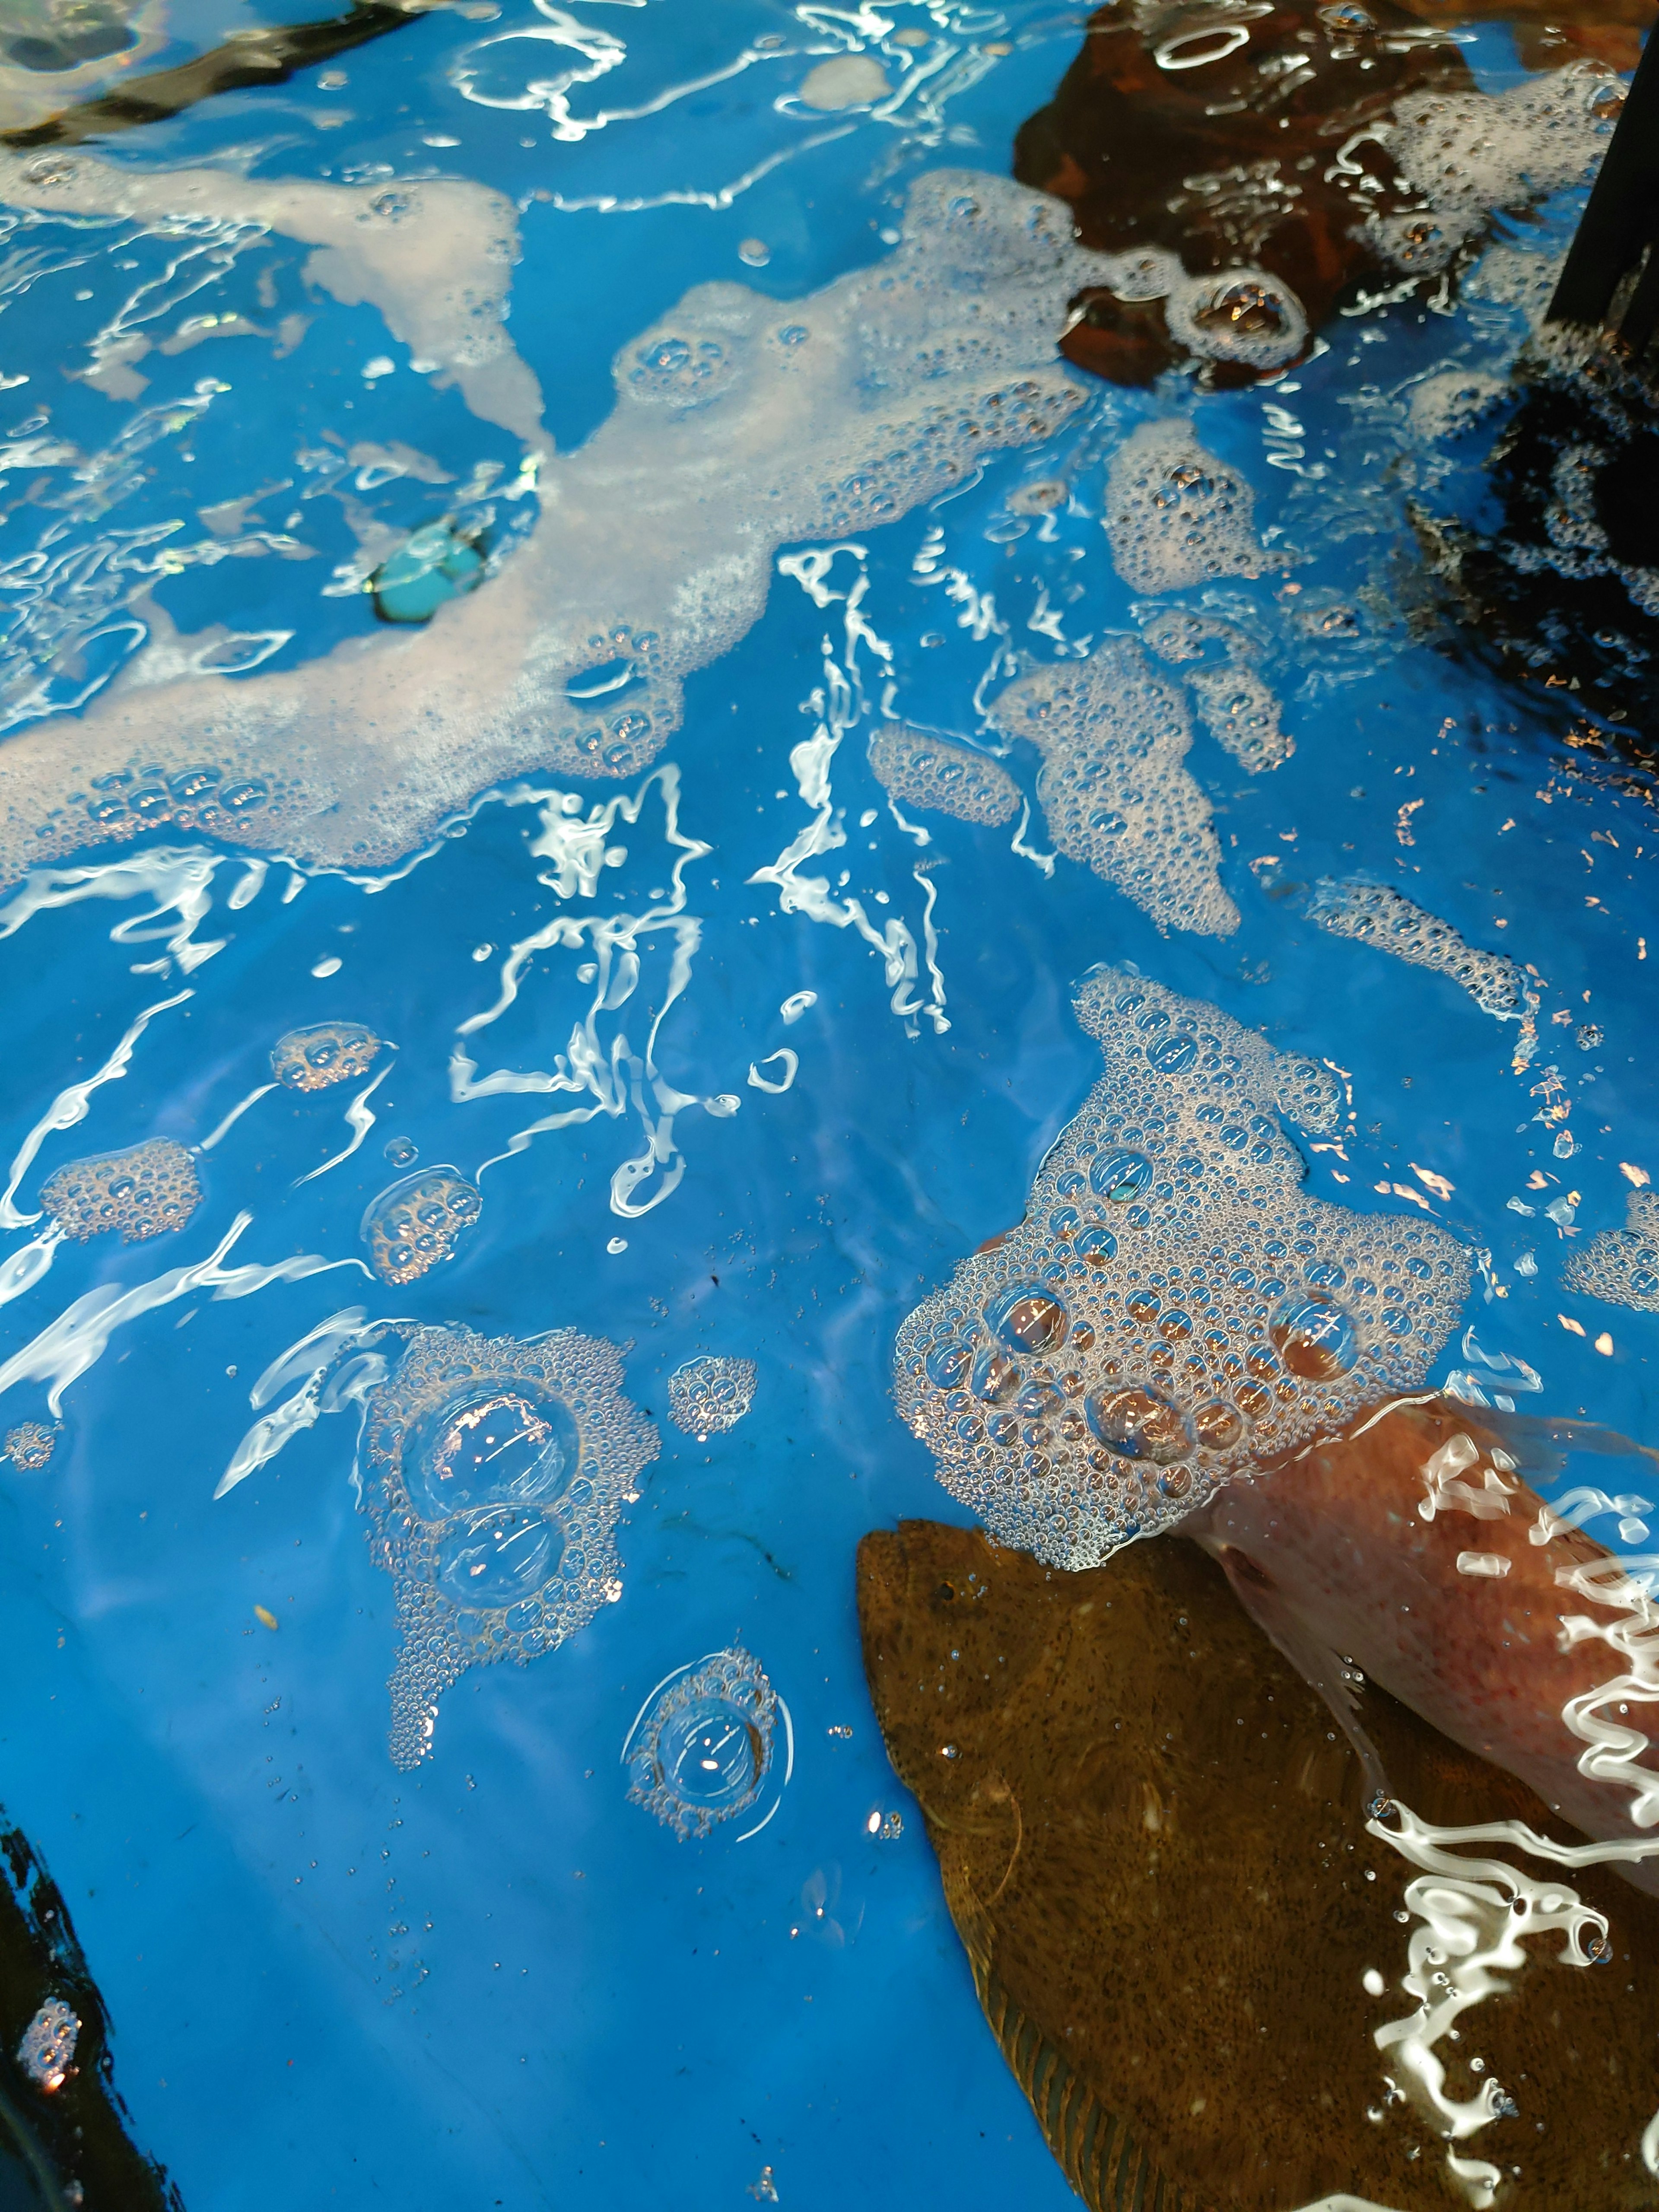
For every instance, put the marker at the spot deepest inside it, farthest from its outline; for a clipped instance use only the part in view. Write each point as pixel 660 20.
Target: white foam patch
pixel 1176 515
pixel 434 257
pixel 1622 1265
pixel 1115 792
pixel 1456 400
pixel 1471 153
pixel 928 771
pixel 1173 1310
pixel 1236 706
pixel 741 424
pixel 1392 923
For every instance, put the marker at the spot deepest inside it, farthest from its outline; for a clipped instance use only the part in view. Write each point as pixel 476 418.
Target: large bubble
pixel 493 1475
pixel 1174 1311
pixel 142 1192
pixel 701 1751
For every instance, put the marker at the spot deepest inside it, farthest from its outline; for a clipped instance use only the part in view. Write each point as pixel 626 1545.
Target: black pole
pixel 1621 223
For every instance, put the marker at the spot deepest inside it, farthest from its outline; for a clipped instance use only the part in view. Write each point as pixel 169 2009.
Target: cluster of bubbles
pixel 126 801
pixel 927 771
pixel 1455 401
pixel 46 2053
pixel 415 1224
pixel 701 1750
pixel 1115 795
pixel 143 1191
pixel 1622 1265
pixel 1175 1310
pixel 1469 153
pixel 29 1446
pixel 495 1472
pixel 1241 315
pixel 707 1396
pixel 312 1059
pixel 1176 516
pixel 1239 709
pixel 1390 922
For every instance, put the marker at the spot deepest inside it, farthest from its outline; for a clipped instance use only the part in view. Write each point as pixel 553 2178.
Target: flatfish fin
pixel 1095 2149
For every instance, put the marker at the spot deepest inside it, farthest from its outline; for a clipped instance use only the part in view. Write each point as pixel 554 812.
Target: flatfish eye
pixel 1314 1338
pixel 1120 1176
pixel 1029 1318
pixel 494 1558
pixel 1251 309
pixel 1139 1423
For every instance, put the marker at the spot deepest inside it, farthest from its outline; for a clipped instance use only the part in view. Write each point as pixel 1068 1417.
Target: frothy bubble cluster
pixel 142 1192
pixel 702 1752
pixel 710 1395
pixel 1387 920
pixel 1241 315
pixel 495 1472
pixel 1176 515
pixel 1174 1311
pixel 415 1224
pixel 927 771
pixel 46 2053
pixel 1238 709
pixel 326 1052
pixel 1470 153
pixel 1622 1265
pixel 1456 400
pixel 1114 735
pixel 29 1446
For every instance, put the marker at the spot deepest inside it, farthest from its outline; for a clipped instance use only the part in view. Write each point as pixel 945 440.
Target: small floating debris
pixel 436 564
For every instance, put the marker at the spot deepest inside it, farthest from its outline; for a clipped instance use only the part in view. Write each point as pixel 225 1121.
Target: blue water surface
pixel 493 1982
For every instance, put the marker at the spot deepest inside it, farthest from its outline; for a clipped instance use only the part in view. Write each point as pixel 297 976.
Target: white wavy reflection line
pixel 67 1347
pixel 71 1107
pixel 361 1117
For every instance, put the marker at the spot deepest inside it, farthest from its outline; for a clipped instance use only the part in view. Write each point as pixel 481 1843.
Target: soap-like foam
pixel 741 424
pixel 1236 705
pixel 710 1395
pixel 495 1474
pixel 1392 923
pixel 142 1192
pixel 1176 515
pixel 700 1753
pixel 1471 153
pixel 29 1446
pixel 416 1223
pixel 1174 1309
pixel 322 1054
pixel 928 771
pixel 1114 793
pixel 1622 1265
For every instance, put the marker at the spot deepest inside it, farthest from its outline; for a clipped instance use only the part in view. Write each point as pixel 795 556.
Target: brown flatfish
pixel 1152 1843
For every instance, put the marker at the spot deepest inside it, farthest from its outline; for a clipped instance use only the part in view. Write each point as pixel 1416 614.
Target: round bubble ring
pixel 29 1446
pixel 543 1450
pixel 707 1396
pixel 703 1744
pixel 312 1059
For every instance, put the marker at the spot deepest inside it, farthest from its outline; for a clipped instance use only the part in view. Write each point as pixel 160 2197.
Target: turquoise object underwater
pixel 433 566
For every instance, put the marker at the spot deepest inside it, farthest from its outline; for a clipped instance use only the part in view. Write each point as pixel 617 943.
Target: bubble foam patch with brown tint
pixel 493 1474
pixel 930 772
pixel 1175 1308
pixel 142 1192
pixel 415 1224
pixel 1622 1265
pixel 326 1052
pixel 1176 515
pixel 1385 919
pixel 1115 792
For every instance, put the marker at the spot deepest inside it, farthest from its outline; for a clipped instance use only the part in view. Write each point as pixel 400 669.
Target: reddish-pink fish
pixel 1410 1550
